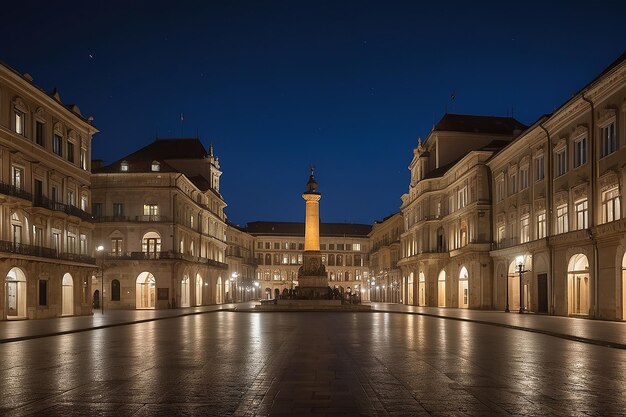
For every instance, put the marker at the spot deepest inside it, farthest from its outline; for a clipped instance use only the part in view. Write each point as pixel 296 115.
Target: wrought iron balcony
pixel 164 256
pixel 14 191
pixel 43 252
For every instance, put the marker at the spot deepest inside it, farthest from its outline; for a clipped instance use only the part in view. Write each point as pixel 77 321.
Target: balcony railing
pixel 12 190
pixel 30 250
pixel 164 256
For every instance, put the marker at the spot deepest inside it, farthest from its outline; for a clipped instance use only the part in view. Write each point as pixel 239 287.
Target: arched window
pixel 115 290
pixel 339 260
pixel 331 259
pixel 156 166
pixel 268 259
pixel 151 243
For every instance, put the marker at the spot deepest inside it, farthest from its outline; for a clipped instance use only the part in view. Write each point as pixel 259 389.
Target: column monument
pixel 312 279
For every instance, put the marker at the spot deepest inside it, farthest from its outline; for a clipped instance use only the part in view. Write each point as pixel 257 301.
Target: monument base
pixel 311 305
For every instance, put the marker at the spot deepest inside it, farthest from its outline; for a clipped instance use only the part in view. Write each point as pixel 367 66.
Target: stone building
pixel 278 252
pixel 385 275
pixel 558 209
pixel 46 248
pixel 242 284
pixel 447 212
pixel 161 225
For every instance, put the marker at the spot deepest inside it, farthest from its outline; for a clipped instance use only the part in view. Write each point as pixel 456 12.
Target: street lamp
pixel 234 276
pixel 100 249
pixel 520 270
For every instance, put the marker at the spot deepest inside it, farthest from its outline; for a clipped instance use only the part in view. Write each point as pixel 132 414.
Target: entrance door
pixel 12 298
pixel 542 293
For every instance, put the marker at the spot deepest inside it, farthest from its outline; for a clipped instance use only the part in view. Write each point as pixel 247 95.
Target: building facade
pixel 278 251
pixel 558 209
pixel 161 228
pixel 447 212
pixel 242 281
pixel 46 247
pixel 385 276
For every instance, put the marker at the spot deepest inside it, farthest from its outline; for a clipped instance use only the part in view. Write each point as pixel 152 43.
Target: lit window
pixel 561 162
pixel 582 214
pixel 462 196
pixel 83 158
pixel 609 141
pixel 124 166
pixel 611 208
pixel 150 210
pixel 356 246
pixel 501 234
pixel 539 168
pixel 541 225
pixel 17 177
pixel 580 151
pixel 156 166
pixel 57 146
pixel 512 183
pixel 524 229
pixel 561 219
pixel 19 122
pixel 523 178
pixel 500 189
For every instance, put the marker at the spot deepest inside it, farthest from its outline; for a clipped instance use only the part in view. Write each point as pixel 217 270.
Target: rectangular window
pixel 561 162
pixel 462 197
pixel 501 234
pixel 539 168
pixel 580 151
pixel 83 203
pixel 582 214
pixel 609 141
pixel 276 245
pixel 56 242
pixel 259 245
pixel 499 189
pixel 331 246
pixel 57 145
pixel 293 246
pixel 512 183
pixel 38 238
pixel 340 246
pixel 116 246
pixel 322 246
pixel 611 208
pixel 17 177
pixel 301 246
pixel 71 244
pixel 541 225
pixel 39 133
pixel 43 292
pixel 19 122
pixel 286 245
pixel 38 190
pixel 70 152
pixel 285 259
pixel 118 210
pixel 70 198
pixel 561 219
pixel 83 158
pixel 82 245
pixel 356 246
pixel 150 209
pixel 96 209
pixel 524 229
pixel 523 178
pixel 268 245
pixel 450 204
pixel 276 259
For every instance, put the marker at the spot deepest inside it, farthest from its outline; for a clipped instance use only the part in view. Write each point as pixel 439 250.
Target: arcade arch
pixel 463 288
pixel 578 285
pixel 441 289
pixel 145 291
pixel 16 294
pixel 67 295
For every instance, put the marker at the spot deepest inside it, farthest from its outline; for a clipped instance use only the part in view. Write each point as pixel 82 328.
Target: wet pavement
pixel 303 364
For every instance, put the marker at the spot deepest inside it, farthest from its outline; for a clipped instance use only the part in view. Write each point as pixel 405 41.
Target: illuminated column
pixel 312 217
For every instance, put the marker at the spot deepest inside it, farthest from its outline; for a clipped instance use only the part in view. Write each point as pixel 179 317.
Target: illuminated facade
pixel 46 247
pixel 558 209
pixel 447 212
pixel 160 222
pixel 242 284
pixel 385 278
pixel 278 251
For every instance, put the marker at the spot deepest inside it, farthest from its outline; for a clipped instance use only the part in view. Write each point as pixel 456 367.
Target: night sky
pixel 277 86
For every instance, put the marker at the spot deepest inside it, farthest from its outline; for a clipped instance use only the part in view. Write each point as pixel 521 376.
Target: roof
pixel 478 124
pixel 160 150
pixel 297 229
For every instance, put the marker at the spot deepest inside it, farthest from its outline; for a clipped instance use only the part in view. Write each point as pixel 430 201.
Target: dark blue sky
pixel 276 86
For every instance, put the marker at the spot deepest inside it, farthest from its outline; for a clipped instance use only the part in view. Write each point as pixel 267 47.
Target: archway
pixel 409 292
pixel 578 285
pixel 184 291
pixel 421 292
pixel 145 291
pixel 219 294
pixel 67 295
pixel 463 288
pixel 441 289
pixel 16 294
pixel 198 290
pixel 513 286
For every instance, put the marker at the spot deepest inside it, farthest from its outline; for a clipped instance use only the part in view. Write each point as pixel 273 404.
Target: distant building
pixel 385 275
pixel 160 220
pixel 46 247
pixel 279 246
pixel 447 212
pixel 241 284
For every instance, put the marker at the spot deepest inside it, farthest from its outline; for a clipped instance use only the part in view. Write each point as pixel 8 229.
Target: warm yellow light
pixel 100 248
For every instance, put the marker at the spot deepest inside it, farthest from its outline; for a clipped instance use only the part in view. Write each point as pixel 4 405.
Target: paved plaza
pixel 386 363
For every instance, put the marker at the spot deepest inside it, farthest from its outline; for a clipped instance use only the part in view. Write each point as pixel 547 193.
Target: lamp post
pixel 506 307
pixel 234 276
pixel 520 270
pixel 100 250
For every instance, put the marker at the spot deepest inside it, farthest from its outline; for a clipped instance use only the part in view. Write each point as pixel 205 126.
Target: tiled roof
pixel 159 150
pixel 478 124
pixel 297 229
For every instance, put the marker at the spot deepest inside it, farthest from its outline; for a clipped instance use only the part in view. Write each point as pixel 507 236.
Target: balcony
pixel 140 219
pixel 42 252
pixel 164 256
pixel 65 208
pixel 8 189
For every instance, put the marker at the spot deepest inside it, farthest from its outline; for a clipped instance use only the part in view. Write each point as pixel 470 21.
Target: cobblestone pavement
pixel 304 364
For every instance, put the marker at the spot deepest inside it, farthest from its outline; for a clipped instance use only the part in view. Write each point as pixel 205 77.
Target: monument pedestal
pixel 312 278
